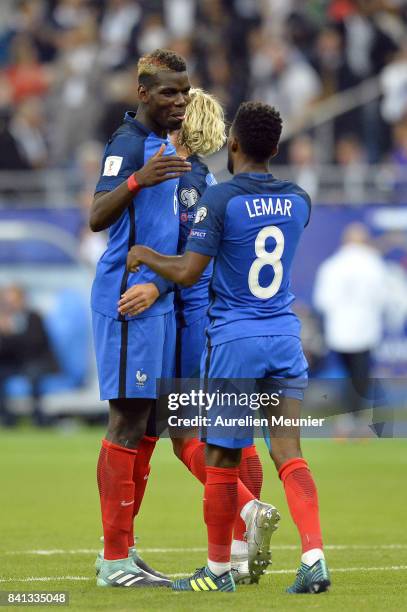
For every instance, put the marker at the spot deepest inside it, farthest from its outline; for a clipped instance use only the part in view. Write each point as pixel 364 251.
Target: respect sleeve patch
pixel 113 163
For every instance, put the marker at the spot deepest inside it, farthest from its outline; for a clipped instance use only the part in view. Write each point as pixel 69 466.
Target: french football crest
pixel 141 378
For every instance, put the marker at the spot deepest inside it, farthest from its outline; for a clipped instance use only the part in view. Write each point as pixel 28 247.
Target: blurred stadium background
pixel 336 69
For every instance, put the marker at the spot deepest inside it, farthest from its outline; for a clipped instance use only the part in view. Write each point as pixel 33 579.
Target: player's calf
pixel 302 499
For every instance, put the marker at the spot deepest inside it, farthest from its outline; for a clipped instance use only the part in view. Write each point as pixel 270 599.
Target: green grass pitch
pixel 50 526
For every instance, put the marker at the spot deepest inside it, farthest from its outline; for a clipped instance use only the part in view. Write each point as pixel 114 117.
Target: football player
pixel 251 225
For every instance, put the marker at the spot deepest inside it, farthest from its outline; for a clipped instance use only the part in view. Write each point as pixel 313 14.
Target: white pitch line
pixel 46 579
pixel 331 569
pixel 94 551
pixel 391 568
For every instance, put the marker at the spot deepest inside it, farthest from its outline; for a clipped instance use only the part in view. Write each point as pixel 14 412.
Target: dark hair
pixel 160 59
pixel 258 128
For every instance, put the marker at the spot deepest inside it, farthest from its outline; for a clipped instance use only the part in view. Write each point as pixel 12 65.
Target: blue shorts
pixel 132 355
pixel 190 346
pixel 268 364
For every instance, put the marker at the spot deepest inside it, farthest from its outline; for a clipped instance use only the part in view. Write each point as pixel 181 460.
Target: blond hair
pixel 203 128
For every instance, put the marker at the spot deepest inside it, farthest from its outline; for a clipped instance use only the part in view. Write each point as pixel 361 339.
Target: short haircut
pixel 160 59
pixel 203 128
pixel 258 129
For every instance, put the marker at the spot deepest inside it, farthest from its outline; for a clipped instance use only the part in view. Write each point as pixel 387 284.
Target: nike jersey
pixel 191 303
pixel 151 219
pixel 251 225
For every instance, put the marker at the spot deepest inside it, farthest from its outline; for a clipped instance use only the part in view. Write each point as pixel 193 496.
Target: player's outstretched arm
pixel 183 269
pixel 108 206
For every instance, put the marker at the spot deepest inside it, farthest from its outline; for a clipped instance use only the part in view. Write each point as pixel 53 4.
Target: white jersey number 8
pixel 266 258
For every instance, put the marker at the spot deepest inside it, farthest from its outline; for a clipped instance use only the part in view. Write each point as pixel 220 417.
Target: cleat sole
pixel 312 580
pixel 266 525
pixel 243 580
pixel 319 587
pixel 163 585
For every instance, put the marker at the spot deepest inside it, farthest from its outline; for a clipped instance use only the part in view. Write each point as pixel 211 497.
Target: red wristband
pixel 132 184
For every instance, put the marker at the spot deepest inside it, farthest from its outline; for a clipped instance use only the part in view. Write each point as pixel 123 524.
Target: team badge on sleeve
pixel 113 163
pixel 189 197
pixel 201 214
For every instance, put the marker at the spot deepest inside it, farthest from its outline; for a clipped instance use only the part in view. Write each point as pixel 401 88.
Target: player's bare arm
pixel 183 269
pixel 108 206
pixel 137 299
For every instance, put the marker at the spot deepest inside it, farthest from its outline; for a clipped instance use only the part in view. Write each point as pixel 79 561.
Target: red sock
pixel 116 491
pixel 141 472
pixel 193 455
pixel 251 475
pixel 251 470
pixel 302 499
pixel 220 508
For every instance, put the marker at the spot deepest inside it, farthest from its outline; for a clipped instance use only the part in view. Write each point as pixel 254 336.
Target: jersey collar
pixel 259 176
pixel 130 118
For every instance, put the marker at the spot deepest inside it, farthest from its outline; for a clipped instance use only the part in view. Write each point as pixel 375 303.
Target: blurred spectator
pixel 373 32
pixel 340 9
pixel 394 85
pixel 400 142
pixel 301 27
pixel 6 12
pixel 276 12
pixel 180 16
pixel 351 157
pixel 120 95
pixel 372 36
pixel 88 159
pixel 76 101
pixel 302 159
pixel 118 24
pixel 330 62
pixel 91 244
pixel 282 77
pixel 69 14
pixel 30 20
pixel 153 35
pixel 185 46
pixel 6 95
pixel 399 158
pixel 336 75
pixel 11 158
pixel 24 351
pixel 26 75
pixel 222 82
pixel 27 128
pixel 350 293
pixel 289 53
pixel 312 337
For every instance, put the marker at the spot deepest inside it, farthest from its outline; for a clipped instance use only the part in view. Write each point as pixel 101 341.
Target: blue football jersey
pixel 152 219
pixel 251 225
pixel 192 302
